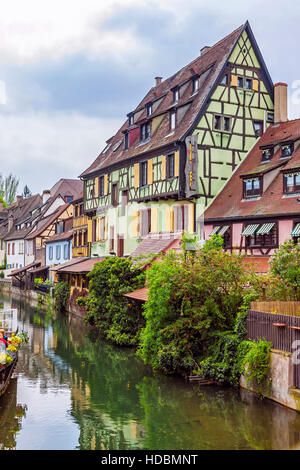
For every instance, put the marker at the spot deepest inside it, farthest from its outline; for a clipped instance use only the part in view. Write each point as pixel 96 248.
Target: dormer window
pixel 176 95
pixel 126 141
pixel 267 154
pixel 252 187
pixel 106 148
pixel 145 132
pixel 291 183
pixel 130 119
pixel 149 109
pixel 286 150
pixel 195 85
pixel 172 120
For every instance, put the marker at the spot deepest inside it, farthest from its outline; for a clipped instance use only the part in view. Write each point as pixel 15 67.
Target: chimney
pixel 46 195
pixel 19 199
pixel 204 50
pixel 10 223
pixel 1 205
pixel 158 81
pixel 280 102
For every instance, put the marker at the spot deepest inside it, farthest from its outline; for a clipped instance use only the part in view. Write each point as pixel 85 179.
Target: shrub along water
pixel 115 316
pixel 194 319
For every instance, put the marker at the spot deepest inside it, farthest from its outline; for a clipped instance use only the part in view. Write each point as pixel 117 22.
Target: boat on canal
pixel 8 321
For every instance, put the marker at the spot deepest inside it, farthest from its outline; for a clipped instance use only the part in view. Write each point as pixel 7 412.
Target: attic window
pixel 291 183
pixel 130 119
pixel 244 82
pixel 195 85
pixel 172 120
pixel 149 109
pixel 286 150
pixel 267 154
pixel 176 95
pixel 126 141
pixel 117 145
pixel 106 148
pixel 252 187
pixel 145 132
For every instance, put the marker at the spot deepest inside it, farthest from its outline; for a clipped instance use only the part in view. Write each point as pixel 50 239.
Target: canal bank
pixel 75 391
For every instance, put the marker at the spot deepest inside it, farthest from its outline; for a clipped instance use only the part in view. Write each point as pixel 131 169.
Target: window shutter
pixel 164 167
pixel 154 219
pixel 106 184
pixel 234 80
pixel 105 228
pixel 135 223
pixel 176 163
pixel 191 218
pixel 136 171
pixel 150 171
pixel 97 186
pixel 90 231
pixel 169 219
pixel 111 238
pixel 255 84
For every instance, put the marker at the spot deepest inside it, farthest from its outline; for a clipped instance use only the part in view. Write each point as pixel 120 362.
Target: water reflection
pixel 81 392
pixel 11 415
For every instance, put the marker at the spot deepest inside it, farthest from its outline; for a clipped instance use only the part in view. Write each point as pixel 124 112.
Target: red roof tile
pixel 208 66
pixel 139 294
pixel 229 202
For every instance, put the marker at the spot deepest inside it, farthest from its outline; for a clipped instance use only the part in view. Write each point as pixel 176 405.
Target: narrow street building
pixel 179 146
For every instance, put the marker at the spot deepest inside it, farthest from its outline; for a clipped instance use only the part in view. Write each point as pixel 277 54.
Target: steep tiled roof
pixel 156 243
pixel 60 237
pixel 66 187
pixel 209 67
pixel 229 202
pixel 44 223
pixel 20 210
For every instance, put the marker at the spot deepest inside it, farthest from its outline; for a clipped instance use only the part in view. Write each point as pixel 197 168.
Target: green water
pixel 72 390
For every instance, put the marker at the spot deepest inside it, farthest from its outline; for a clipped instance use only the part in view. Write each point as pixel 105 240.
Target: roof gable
pixel 208 68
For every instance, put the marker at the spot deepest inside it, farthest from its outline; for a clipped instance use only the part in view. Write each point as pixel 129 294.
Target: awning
pixel 25 268
pixel 224 230
pixel 296 231
pixel 139 294
pixel 214 230
pixel 37 270
pixel 265 228
pixel 249 230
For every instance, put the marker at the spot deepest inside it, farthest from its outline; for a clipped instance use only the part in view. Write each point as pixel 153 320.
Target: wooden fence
pixel 281 330
pixel 284 308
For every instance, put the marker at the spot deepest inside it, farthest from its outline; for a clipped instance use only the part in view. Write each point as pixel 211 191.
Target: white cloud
pixel 44 147
pixel 33 30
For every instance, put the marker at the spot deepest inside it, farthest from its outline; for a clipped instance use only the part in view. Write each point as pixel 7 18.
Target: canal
pixel 72 390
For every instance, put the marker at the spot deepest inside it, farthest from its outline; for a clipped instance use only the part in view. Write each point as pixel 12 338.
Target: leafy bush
pixel 256 365
pixel 117 318
pixel 1 274
pixel 191 298
pixel 61 296
pixel 284 280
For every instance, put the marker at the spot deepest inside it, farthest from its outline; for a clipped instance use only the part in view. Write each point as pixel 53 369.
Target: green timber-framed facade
pixel 180 145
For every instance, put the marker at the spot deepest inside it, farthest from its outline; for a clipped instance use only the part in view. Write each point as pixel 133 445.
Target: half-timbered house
pixel 179 146
pixel 259 207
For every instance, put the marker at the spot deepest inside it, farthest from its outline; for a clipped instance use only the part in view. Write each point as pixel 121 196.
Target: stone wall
pixel 282 390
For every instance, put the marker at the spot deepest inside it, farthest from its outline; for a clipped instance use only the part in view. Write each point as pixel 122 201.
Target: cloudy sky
pixel 70 71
